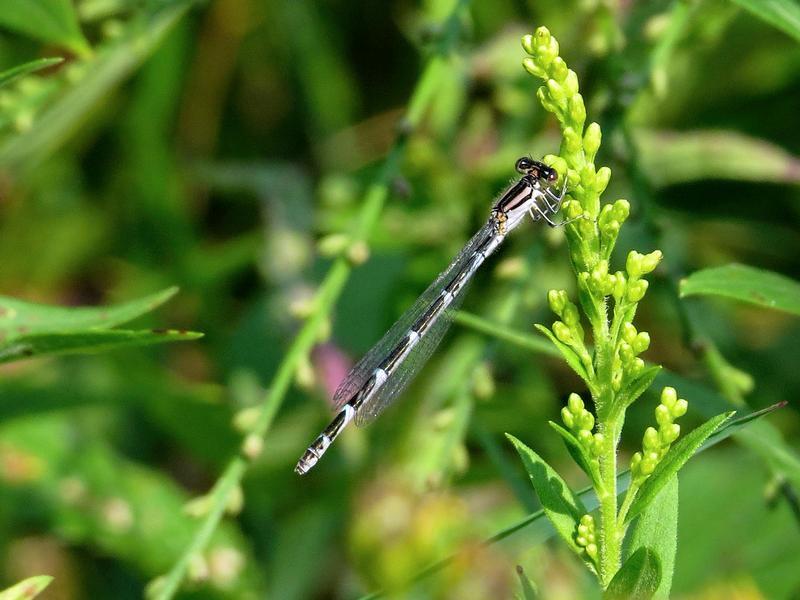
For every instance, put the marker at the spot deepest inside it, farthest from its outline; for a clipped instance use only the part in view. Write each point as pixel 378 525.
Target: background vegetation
pixel 301 171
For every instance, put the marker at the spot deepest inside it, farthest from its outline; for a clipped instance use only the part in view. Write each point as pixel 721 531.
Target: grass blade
pixel 13 73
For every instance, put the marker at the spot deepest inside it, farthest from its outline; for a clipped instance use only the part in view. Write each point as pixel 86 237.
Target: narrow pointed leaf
pixel 88 342
pixel 657 528
pixel 19 318
pixel 676 457
pixel 577 452
pixel 637 579
pixel 10 75
pixel 573 360
pixel 529 591
pixel 637 387
pixel 747 284
pixel 27 589
pixel 561 506
pixel 781 14
pixel 53 21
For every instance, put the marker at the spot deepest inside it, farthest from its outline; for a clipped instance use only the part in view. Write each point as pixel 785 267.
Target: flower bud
pixel 558 69
pixel 529 44
pixel 680 408
pixel 626 352
pixel 597 444
pixel 570 83
pixel 542 35
pixel 570 315
pixel 628 332
pixel 669 433
pixel 562 332
pixel 577 110
pixel 650 440
pixel 620 285
pixel 572 141
pixel 669 397
pixel 601 180
pixel 636 290
pixel 588 175
pixel 622 209
pixel 663 416
pixel 557 300
pixel 532 67
pixel 650 261
pixel 641 342
pixel 575 404
pixel 567 418
pixel 591 140
pixel 586 421
pixel 557 92
pixel 584 437
pixel 545 100
pixel 636 367
pixel 633 264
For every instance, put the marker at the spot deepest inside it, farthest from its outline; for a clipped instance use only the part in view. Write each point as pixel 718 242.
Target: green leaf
pixel 781 14
pixel 53 21
pixel 13 73
pixel 27 588
pixel 561 506
pixel 88 342
pixel 20 319
pixel 637 387
pixel 657 528
pixel 675 458
pixel 101 73
pixel 673 157
pixel 748 284
pixel 529 591
pixel 573 360
pixel 637 579
pixel 578 452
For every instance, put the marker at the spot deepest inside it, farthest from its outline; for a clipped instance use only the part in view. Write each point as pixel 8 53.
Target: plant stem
pixel 610 548
pixel 422 98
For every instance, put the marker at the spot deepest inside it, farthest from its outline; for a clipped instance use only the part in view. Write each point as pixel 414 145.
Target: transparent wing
pixel 405 372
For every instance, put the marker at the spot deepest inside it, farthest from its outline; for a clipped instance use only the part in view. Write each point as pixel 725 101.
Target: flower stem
pixel 610 548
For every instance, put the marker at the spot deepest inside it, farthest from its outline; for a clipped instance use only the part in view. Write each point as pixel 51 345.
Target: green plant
pixel 612 369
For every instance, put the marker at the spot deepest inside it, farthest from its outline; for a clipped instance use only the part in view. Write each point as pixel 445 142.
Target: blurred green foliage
pixel 209 146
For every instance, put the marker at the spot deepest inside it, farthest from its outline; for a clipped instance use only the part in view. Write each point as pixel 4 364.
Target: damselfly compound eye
pixel 524 165
pixel 552 175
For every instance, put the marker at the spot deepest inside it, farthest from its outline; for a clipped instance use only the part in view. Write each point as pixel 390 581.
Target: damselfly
pixel 391 364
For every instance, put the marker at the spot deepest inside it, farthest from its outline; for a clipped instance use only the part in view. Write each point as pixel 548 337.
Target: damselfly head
pixel 527 166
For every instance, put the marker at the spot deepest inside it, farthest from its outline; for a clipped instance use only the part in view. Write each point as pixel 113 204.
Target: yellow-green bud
pixel 669 433
pixel 528 44
pixel 557 92
pixel 636 290
pixel 332 245
pixel 532 67
pixel 633 264
pixel 562 332
pixel 586 421
pixel 669 397
pixel 591 550
pixel 572 209
pixel 591 140
pixel 542 35
pixel 567 418
pixel 641 342
pixel 597 444
pixel 575 403
pixel 663 415
pixel 601 180
pixel 650 440
pixel 622 209
pixel 620 285
pixel 558 69
pixel 570 83
pixel 680 408
pixel 628 332
pixel 545 100
pixel 557 300
pixel 626 352
pixel 577 109
pixel 650 261
pixel 636 367
pixel 584 437
pixel 572 141
pixel 570 315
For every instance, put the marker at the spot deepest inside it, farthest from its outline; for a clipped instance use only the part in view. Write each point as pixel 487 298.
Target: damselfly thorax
pixel 385 371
